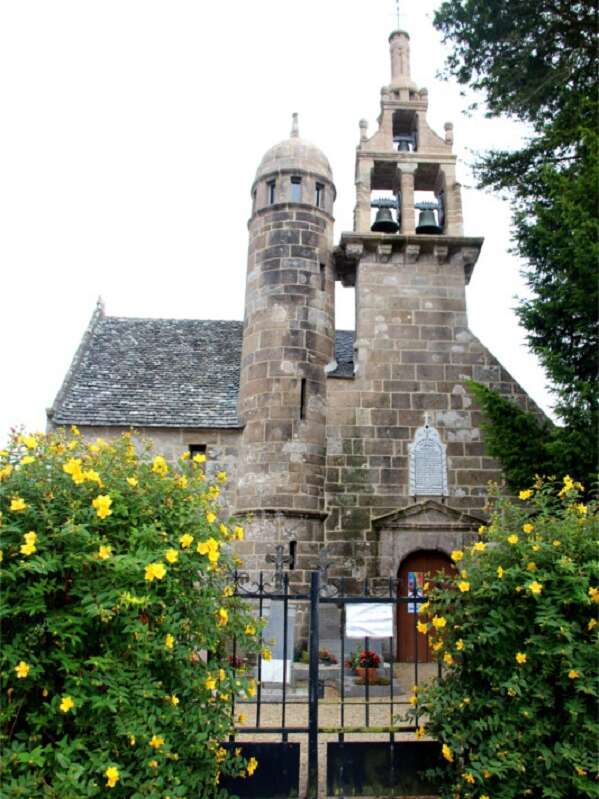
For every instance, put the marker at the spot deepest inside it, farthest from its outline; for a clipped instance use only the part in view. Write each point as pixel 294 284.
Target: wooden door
pixel 413 573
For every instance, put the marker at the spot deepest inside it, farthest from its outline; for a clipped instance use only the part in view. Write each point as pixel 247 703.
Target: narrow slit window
pixel 270 191
pixel 296 190
pixel 303 398
pixel 320 195
pixel 323 277
pixel 198 450
pixel 254 199
pixel 292 553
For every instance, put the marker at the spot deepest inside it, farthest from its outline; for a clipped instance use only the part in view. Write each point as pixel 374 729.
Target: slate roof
pixel 344 354
pixel 158 373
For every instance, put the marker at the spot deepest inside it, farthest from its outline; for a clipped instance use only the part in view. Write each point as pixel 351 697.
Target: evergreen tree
pixel 537 63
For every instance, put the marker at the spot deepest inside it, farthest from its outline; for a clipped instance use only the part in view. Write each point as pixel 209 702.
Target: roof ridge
pixel 171 319
pixel 96 317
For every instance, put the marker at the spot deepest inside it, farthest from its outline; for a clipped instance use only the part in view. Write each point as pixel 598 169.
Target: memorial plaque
pixel 428 464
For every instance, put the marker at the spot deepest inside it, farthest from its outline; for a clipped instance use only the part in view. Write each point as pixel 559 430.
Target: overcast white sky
pixel 131 133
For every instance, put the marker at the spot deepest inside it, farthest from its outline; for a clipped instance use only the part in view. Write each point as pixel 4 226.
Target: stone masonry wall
pixel 414 353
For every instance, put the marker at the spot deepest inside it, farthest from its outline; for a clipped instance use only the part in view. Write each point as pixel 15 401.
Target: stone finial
pixel 363 129
pixel 100 306
pixel 448 132
pixel 295 125
pixel 399 44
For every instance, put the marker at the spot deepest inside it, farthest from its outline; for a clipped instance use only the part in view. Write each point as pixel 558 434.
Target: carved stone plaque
pixel 428 464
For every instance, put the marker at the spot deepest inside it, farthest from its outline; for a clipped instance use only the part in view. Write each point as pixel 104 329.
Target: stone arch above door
pixel 426 525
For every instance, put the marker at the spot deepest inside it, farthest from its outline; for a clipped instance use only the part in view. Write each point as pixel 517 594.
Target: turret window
pixel 319 199
pixel 296 190
pixel 270 191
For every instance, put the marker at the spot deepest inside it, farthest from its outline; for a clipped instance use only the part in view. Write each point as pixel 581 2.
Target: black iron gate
pixel 391 766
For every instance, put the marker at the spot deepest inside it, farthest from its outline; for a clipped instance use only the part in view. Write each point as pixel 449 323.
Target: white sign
pixel 372 620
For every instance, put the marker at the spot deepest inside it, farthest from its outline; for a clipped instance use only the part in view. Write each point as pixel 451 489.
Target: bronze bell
pixel 384 222
pixel 404 146
pixel 427 222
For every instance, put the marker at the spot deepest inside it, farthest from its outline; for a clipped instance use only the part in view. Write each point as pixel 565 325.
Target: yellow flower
pixel 17 504
pixel 132 740
pixel 556 543
pixel 250 629
pixel 580 771
pixel 531 566
pixel 156 741
pixel 482 529
pixel 210 517
pixel 66 704
pixel 592 624
pixel 251 689
pixel 480 546
pixel 171 555
pixel 210 683
pixel 104 552
pixel 535 547
pixel 112 776
pixel 28 549
pixel 221 477
pixel 199 458
pixel 500 572
pixel 160 466
pixel 228 591
pixel 448 658
pixel 469 778
pixel 528 527
pixel 169 641
pixel 420 732
pixel 184 456
pixel 424 607
pixel 132 481
pixel 512 539
pixel 422 627
pixel 22 669
pixel 464 586
pixel 437 646
pixel 459 644
pixel 6 471
pixel 535 588
pixel 594 594
pixel 457 555
pixel 573 674
pixel 27 459
pixel 520 658
pixel 439 622
pixel 186 541
pixel 174 699
pixel 1 556
pixel 29 441
pixel 525 494
pixel 413 700
pixel 252 766
pixel 223 616
pixel 91 476
pixel 266 654
pixel 447 753
pixel 182 481
pixel 582 509
pixel 153 764
pixel 155 571
pixel 239 533
pixel 102 505
pixel 210 548
pixel 568 486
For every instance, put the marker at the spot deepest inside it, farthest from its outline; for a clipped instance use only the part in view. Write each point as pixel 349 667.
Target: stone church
pixel 367 441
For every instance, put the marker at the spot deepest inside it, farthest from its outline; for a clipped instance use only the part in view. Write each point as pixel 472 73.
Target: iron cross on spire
pixel 397 12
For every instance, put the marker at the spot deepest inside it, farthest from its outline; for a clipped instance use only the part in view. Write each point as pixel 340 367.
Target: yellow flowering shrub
pixel 114 674
pixel 516 708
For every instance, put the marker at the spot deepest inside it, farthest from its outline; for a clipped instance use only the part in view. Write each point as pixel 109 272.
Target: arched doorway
pixel 412 646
